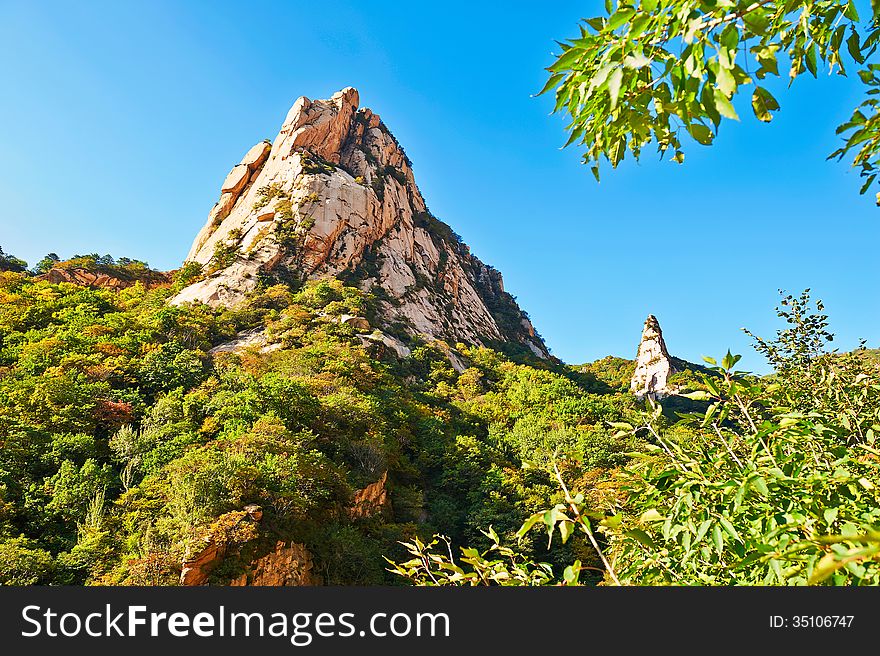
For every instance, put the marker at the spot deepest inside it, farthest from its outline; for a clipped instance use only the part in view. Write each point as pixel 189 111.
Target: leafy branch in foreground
pixel 651 70
pixel 497 566
pixel 776 483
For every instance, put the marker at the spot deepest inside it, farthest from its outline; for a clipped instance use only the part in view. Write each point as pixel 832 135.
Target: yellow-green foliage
pixel 124 441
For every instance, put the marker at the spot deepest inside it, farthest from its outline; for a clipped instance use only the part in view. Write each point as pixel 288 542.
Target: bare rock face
pixel 371 500
pixel 334 195
pixel 653 364
pixel 234 527
pixel 290 564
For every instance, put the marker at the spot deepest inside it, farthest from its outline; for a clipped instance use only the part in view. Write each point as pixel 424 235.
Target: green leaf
pixel 763 103
pixel 529 523
pixel 724 107
pixel 759 484
pixel 614 81
pixel 830 514
pixel 701 133
pixel 572 572
pixel 619 17
pixel 854 47
pixel 642 537
pixel 621 425
pixel 638 25
pixel 612 522
pixel 638 60
pixel 552 81
pixel 849 530
pixel 718 538
pixel 850 11
pixel 756 21
pixel 748 560
pixel 704 528
pixel 725 81
pixel 824 568
pixel 567 60
pixel 776 566
pixel 730 37
pixel 565 530
pixel 767 59
pixel 728 528
pixel 727 361
pixel 470 552
pixel 650 515
pixel 810 59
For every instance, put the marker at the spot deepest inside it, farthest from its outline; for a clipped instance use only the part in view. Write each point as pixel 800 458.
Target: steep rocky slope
pixel 334 196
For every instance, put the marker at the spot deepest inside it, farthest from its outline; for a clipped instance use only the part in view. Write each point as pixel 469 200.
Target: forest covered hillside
pixel 144 443
pixel 131 437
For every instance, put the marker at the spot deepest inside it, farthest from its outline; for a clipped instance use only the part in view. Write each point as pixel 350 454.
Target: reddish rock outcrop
pixel 97 279
pixel 232 528
pixel 290 564
pixel 371 500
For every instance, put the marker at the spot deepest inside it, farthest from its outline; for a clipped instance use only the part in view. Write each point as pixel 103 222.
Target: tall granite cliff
pixel 334 196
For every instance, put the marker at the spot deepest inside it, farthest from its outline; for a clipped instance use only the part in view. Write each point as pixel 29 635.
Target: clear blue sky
pixel 119 121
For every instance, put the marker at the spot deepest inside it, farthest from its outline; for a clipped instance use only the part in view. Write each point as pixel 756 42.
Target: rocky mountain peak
pixel 334 196
pixel 653 363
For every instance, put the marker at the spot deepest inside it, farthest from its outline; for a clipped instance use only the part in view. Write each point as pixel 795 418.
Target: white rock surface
pixel 335 193
pixel 653 364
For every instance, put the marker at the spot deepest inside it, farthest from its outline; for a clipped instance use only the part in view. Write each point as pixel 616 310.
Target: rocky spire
pixel 653 363
pixel 334 195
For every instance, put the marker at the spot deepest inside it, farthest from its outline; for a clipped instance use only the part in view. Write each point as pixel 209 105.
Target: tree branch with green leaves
pixel 650 71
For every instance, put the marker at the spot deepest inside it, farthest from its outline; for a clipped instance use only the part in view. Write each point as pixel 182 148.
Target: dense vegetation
pixel 124 440
pixel 127 438
pixel 775 483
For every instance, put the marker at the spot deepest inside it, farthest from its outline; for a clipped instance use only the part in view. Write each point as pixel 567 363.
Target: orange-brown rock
pixel 254 158
pixel 236 180
pixel 195 570
pixel 371 500
pixel 233 528
pixel 101 280
pixel 322 126
pixel 290 564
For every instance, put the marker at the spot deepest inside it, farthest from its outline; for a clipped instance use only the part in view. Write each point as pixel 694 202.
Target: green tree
pixel 652 70
pixel 11 263
pixel 22 562
pixel 44 265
